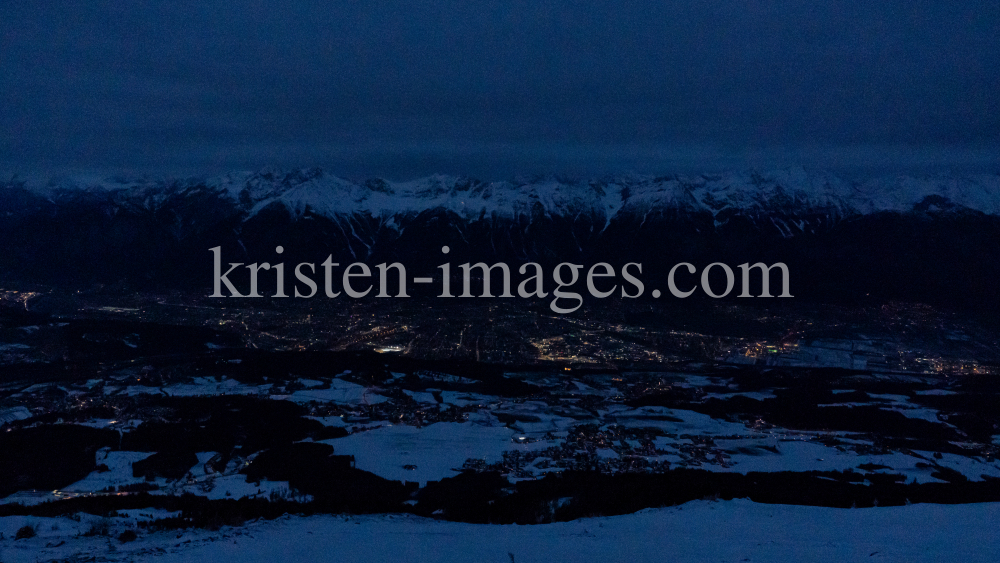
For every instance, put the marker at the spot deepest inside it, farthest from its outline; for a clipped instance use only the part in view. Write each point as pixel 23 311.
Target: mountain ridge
pixel 314 191
pixel 933 239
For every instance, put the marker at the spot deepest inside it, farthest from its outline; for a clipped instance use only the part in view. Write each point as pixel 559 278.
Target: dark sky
pixel 497 87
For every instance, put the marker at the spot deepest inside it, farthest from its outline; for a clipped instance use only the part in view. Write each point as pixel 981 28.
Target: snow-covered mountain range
pixel 924 238
pixel 321 193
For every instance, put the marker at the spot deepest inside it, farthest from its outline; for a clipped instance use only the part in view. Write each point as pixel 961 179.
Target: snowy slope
pixel 736 530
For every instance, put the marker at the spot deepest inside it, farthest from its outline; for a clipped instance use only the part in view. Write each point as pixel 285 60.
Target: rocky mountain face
pixel 930 239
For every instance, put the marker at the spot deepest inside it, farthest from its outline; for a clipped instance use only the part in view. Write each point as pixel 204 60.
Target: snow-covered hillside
pixel 736 530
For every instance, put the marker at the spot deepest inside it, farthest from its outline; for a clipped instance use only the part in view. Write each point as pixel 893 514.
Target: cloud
pixel 247 83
